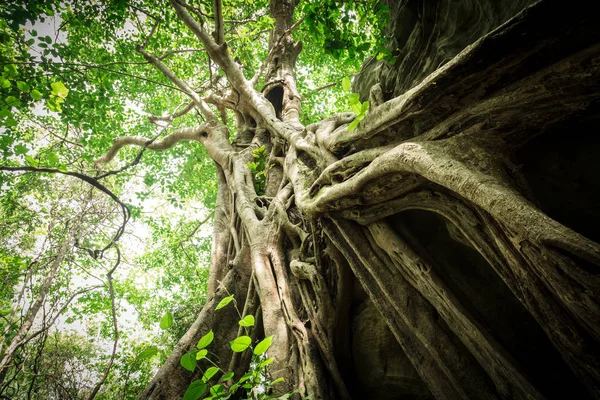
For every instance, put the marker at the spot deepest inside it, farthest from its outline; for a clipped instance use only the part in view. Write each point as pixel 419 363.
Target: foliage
pixel 258 169
pixel 358 108
pixel 255 383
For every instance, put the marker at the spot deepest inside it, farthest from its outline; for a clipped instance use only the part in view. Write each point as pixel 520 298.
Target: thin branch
pixel 193 133
pixel 181 84
pixel 154 27
pixel 59 312
pixel 94 183
pixel 177 114
pixel 115 326
pixel 219 33
pixel 193 232
pixel 137 158
pixel 102 68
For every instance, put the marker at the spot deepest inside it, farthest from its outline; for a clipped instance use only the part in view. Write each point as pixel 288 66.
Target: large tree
pixel 417 247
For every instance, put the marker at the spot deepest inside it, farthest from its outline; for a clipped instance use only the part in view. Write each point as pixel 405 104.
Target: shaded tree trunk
pixel 447 247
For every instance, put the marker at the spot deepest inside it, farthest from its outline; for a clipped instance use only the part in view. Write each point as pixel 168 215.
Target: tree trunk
pixel 447 247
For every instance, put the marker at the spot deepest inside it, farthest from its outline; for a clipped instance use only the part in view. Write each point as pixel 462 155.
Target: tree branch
pixel 180 83
pixel 219 33
pixel 193 133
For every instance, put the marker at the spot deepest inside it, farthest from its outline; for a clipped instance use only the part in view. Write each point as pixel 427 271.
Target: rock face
pixel 502 314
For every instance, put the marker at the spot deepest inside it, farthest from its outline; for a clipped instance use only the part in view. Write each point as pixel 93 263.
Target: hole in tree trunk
pixel 485 295
pixel 275 96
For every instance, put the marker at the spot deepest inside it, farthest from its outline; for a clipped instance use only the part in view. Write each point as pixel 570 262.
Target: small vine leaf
pixel 188 362
pixel 217 390
pixel 240 344
pixel 246 377
pixel 227 376
pixel 209 373
pixel 266 362
pixel 206 340
pixel 248 320
pixel 201 354
pixel 224 302
pixel 195 390
pixel 263 346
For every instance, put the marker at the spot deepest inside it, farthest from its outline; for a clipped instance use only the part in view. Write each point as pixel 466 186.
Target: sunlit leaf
pixel 209 373
pixel 59 89
pixel 201 354
pixel 346 84
pixel 195 390
pixel 188 362
pixel 240 344
pixel 224 302
pixel 206 340
pixel 166 321
pixel 148 353
pixel 248 320
pixel 263 346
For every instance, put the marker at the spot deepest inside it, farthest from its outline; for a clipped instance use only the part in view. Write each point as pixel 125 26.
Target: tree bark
pixel 332 231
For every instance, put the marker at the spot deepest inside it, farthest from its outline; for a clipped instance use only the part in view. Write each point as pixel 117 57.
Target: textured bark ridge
pixel 447 247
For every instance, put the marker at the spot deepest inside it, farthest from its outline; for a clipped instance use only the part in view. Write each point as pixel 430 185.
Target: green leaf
pixel 206 340
pixel 217 390
pixel 148 353
pixel 10 122
pixel 23 86
pixel 247 321
pixel 4 83
pixel 59 89
pixel 346 84
pixel 353 125
pixel 364 47
pixel 21 149
pixel 36 95
pixel 166 321
pixel 53 106
pixel 201 354
pixel 52 158
pixel 188 362
pixel 365 107
pixel 209 373
pixel 195 390
pixel 356 108
pixel 12 101
pixel 277 381
pixel 266 362
pixel 263 346
pixel 11 70
pixel 224 302
pixel 227 376
pixel 240 344
pixel 31 161
pixel 246 376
